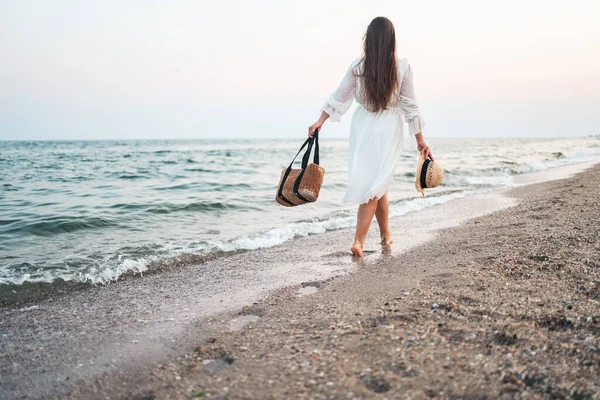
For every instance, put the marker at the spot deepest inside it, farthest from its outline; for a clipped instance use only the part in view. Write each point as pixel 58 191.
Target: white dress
pixel 375 138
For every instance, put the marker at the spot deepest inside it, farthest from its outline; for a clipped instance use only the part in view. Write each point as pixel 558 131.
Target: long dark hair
pixel 379 72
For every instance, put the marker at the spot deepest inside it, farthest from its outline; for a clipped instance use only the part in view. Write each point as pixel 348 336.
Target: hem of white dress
pixel 372 194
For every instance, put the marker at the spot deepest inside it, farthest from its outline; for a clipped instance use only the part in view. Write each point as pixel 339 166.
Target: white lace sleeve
pixel 408 104
pixel 340 101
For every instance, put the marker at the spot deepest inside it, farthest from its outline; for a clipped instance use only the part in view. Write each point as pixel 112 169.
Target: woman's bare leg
pixel 382 214
pixel 366 212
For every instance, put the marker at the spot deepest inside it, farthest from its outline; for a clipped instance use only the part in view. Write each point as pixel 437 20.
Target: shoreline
pixel 27 293
pixel 127 321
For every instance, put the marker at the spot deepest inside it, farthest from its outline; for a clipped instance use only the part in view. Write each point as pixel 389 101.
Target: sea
pixel 91 211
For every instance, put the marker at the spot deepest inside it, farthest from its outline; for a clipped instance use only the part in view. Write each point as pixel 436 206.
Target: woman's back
pixel 352 88
pixel 359 94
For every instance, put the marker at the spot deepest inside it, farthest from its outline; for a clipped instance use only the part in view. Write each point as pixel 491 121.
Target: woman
pixel 383 87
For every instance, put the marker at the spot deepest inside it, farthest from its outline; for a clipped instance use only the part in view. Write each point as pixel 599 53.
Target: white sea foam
pixel 575 157
pixel 112 274
pixel 276 236
pixel 30 308
pixel 495 181
pixel 104 273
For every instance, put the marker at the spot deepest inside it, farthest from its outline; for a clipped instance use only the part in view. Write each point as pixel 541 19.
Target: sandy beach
pixel 450 248
pixel 498 297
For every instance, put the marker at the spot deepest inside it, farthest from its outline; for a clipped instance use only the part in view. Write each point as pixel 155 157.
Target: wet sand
pixel 506 304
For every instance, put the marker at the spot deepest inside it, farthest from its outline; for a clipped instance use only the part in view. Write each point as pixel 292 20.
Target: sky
pixel 142 69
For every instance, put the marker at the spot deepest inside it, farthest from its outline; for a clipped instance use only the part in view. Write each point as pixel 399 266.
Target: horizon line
pixel 289 138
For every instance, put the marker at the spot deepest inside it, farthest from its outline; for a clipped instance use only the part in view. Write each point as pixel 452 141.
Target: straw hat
pixel 429 174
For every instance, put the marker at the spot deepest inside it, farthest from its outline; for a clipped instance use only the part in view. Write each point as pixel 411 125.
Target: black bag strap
pixel 306 157
pixel 305 164
pixel 316 156
pixel 306 142
pixel 280 190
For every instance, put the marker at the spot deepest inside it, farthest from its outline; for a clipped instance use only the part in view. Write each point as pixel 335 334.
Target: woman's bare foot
pixel 386 240
pixel 386 249
pixel 357 249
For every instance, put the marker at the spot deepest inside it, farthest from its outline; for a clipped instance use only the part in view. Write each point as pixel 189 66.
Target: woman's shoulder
pixel 403 62
pixel 403 66
pixel 355 66
pixel 356 62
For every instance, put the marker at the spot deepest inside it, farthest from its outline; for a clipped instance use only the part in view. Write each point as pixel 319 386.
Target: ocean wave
pixel 484 181
pixel 131 176
pixel 335 185
pixel 49 226
pixel 181 186
pixel 5 222
pixel 558 159
pixel 508 162
pixel 102 273
pixel 69 179
pixel 207 186
pixel 202 170
pixel 167 208
pixel 110 271
pixel 7 187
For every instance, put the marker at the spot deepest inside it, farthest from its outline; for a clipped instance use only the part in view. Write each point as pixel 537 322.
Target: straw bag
pixel 301 186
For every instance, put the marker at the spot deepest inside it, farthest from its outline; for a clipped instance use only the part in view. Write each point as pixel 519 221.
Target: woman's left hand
pixel 424 148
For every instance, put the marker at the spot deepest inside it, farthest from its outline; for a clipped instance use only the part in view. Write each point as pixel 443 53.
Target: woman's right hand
pixel 316 126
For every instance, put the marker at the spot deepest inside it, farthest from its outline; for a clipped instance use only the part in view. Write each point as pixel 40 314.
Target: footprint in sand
pixel 238 323
pixel 305 290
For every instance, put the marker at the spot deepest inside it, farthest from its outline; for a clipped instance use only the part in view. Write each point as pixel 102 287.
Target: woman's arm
pixel 412 112
pixel 339 102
